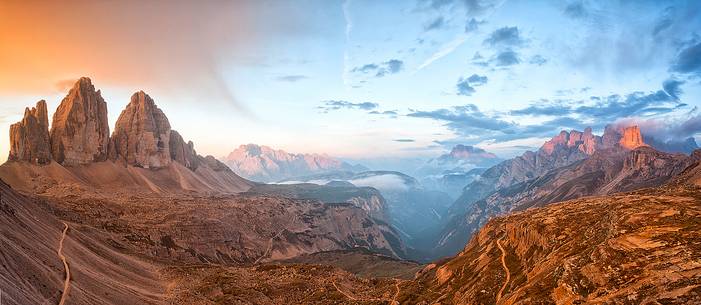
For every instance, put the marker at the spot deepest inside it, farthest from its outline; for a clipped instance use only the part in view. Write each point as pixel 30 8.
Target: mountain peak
pixel 628 137
pixel 142 134
pixel 29 138
pixel 80 130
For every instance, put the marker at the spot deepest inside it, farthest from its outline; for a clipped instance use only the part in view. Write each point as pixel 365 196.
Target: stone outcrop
pixel 183 153
pixel 80 131
pixel 142 134
pixel 29 138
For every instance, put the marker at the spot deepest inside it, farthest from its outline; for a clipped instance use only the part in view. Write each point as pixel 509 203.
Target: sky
pixel 377 82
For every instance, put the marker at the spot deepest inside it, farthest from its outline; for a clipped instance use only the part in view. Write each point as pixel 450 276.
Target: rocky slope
pixel 546 176
pixel 264 164
pixel 605 172
pixel 412 209
pixel 32 272
pixel 630 248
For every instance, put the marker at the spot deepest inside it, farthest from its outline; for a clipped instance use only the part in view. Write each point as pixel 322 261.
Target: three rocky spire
pixel 80 133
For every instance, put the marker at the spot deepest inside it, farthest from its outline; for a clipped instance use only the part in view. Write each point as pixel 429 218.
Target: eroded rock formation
pixel 183 153
pixel 80 131
pixel 142 134
pixel 29 138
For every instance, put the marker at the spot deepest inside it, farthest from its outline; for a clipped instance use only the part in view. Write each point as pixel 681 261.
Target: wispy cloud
pixel 291 78
pixel 340 104
pixel 391 66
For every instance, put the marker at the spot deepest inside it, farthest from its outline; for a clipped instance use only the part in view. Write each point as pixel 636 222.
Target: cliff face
pixel 183 153
pixel 29 138
pixel 80 131
pixel 142 134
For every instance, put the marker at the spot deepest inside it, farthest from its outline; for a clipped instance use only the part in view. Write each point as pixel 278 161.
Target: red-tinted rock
pixel 80 131
pixel 29 138
pixel 142 134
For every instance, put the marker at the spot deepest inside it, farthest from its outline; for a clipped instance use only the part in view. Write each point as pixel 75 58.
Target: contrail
pixel 452 45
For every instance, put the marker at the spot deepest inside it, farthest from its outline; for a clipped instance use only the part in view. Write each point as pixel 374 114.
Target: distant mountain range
pixel 265 164
pixel 570 165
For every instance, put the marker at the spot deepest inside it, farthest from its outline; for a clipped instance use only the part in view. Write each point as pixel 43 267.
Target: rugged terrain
pixel 570 165
pixel 630 248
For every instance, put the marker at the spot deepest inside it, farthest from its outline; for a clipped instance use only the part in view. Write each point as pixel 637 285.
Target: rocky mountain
pixel 79 151
pixel 366 198
pixel 80 133
pixel 629 248
pixel 412 209
pixel 142 135
pixel 29 138
pixel 265 164
pixel 538 178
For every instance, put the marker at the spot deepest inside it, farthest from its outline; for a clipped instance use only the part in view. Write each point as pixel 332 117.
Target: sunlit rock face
pixel 80 130
pixel 29 138
pixel 142 134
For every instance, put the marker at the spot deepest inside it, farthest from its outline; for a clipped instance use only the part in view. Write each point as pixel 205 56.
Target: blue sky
pixel 382 81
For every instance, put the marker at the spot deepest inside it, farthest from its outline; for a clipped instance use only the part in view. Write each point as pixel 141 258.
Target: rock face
pixel 142 134
pixel 626 137
pixel 80 131
pixel 183 153
pixel 29 138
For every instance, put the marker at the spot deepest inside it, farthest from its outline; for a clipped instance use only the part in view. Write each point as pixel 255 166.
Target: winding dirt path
pixel 350 297
pixel 506 269
pixel 396 295
pixel 67 283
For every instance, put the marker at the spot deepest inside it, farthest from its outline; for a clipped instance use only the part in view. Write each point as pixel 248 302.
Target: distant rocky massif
pixel 141 218
pixel 264 164
pixel 452 171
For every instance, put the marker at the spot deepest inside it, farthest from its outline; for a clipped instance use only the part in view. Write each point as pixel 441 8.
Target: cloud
pixel 537 60
pixel 576 9
pixel 291 78
pixel 506 58
pixel 465 86
pixel 339 104
pixel 435 24
pixel 688 60
pixel 667 129
pixel 391 66
pixel 505 37
pixel 159 46
pixel 474 126
pixel 671 86
pixel 472 25
pixel 389 113
pixel 464 118
pixel 404 140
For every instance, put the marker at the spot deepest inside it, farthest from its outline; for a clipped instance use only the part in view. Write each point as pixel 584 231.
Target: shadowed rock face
pixel 29 138
pixel 182 152
pixel 80 131
pixel 142 134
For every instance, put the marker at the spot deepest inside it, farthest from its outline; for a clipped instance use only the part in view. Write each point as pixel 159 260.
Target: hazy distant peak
pixel 266 164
